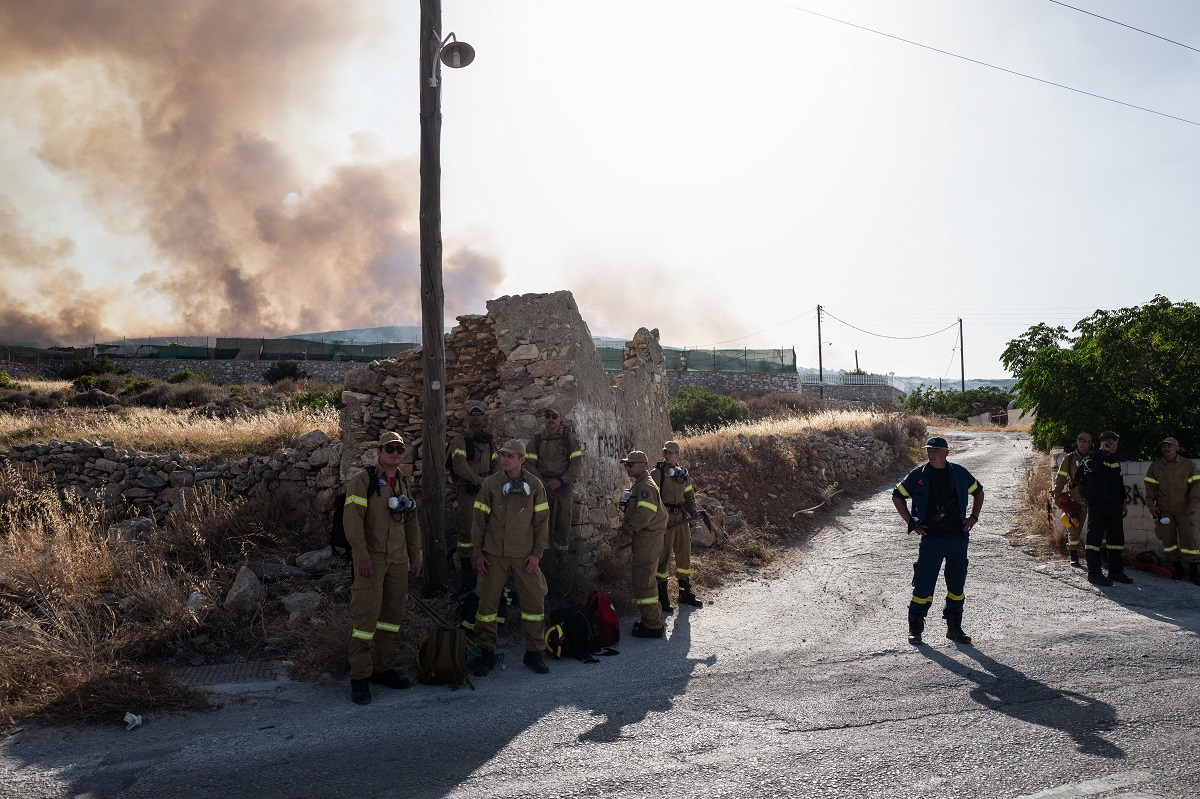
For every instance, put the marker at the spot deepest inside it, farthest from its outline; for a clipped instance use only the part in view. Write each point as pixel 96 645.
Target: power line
pixel 881 335
pixel 986 64
pixel 1123 25
pixel 749 335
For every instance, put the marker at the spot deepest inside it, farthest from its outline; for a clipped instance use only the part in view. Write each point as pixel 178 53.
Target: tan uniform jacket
pixel 645 511
pixel 372 529
pixel 674 493
pixel 1173 485
pixel 515 526
pixel 471 471
pixel 1062 479
pixel 551 458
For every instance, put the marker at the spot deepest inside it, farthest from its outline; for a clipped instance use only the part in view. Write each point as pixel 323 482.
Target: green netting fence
pixel 711 360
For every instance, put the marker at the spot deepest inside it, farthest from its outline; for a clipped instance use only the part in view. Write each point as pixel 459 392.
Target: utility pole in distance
pixel 820 357
pixel 962 364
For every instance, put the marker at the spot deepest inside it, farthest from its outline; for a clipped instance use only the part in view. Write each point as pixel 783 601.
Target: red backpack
pixel 608 623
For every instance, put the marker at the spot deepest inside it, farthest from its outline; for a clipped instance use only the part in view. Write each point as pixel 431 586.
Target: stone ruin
pixel 528 353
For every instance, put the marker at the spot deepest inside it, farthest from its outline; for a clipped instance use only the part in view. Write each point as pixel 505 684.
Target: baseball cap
pixel 937 442
pixel 1109 435
pixel 1169 440
pixel 671 446
pixel 390 437
pixel 1085 436
pixel 636 456
pixel 514 445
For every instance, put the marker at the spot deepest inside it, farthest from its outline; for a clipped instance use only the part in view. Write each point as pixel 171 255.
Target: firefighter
pixel 679 496
pixel 1099 478
pixel 939 490
pixel 645 520
pixel 1173 493
pixel 385 542
pixel 1063 485
pixel 508 536
pixel 472 457
pixel 556 456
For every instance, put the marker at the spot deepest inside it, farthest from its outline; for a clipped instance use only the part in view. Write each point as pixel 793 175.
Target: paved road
pixel 796 684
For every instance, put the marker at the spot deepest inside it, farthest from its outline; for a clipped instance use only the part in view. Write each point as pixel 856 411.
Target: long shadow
pixel 1006 690
pixel 422 742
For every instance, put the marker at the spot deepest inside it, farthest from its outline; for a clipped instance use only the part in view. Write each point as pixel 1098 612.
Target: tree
pixel 693 408
pixel 959 404
pixel 1135 371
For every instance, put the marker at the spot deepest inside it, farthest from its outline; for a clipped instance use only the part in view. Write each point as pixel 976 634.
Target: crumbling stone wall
pixel 528 353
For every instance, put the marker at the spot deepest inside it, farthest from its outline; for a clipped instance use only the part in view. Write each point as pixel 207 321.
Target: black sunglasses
pixel 392 449
pixel 474 413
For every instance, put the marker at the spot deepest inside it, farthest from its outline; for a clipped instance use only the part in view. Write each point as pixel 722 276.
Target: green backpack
pixel 442 658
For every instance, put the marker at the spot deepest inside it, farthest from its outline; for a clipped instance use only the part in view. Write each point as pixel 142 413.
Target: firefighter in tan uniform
pixel 556 456
pixel 508 537
pixel 385 543
pixel 1173 494
pixel 645 520
pixel 473 457
pixel 1063 485
pixel 679 496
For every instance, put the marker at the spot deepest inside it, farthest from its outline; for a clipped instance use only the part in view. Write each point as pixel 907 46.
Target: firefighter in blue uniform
pixel 939 490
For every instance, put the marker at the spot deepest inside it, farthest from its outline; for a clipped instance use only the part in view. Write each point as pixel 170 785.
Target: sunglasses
pixel 392 449
pixel 552 416
pixel 631 465
pixel 474 413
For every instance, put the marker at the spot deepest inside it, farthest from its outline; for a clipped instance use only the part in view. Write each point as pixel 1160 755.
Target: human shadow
pixel 1006 690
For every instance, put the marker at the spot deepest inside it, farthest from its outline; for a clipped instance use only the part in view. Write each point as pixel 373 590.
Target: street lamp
pixel 454 54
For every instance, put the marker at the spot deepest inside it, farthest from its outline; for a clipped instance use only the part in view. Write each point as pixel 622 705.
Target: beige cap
pixel 476 406
pixel 636 456
pixel 671 446
pixel 1085 436
pixel 390 437
pixel 555 411
pixel 1169 440
pixel 514 445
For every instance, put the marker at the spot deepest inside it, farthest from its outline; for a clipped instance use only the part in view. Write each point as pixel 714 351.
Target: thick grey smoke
pixel 172 117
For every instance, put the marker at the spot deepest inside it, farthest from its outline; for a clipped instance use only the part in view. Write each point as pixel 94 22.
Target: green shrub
pixel 8 384
pixel 284 370
pixel 314 400
pixel 89 366
pixel 183 376
pixel 135 385
pixel 84 383
pixel 237 389
pixel 693 408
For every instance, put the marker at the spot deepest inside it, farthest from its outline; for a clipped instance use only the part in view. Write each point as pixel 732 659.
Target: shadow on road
pixel 1008 691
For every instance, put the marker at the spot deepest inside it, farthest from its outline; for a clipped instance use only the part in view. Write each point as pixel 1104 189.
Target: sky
pixel 712 169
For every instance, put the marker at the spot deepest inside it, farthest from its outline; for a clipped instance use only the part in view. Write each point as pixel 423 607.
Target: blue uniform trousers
pixel 934 550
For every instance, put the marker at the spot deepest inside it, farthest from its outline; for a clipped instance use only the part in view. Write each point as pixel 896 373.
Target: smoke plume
pixel 178 123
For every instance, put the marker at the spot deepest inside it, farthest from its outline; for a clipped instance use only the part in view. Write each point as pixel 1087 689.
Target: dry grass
pixel 43 385
pixel 161 430
pixel 1037 530
pixel 958 424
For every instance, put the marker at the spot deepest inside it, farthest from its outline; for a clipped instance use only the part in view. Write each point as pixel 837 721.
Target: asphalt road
pixel 796 683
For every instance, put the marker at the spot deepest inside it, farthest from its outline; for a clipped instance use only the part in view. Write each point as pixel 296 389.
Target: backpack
pixel 569 442
pixel 442 658
pixel 469 443
pixel 604 614
pixel 571 633
pixel 337 528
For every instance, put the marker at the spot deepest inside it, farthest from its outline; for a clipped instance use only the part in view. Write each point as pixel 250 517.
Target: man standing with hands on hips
pixel 939 490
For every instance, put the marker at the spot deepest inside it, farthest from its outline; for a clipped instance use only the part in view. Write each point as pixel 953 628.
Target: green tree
pixel 959 404
pixel 1135 370
pixel 694 407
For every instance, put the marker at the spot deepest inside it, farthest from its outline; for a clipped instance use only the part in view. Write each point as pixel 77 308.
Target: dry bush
pixel 780 404
pixel 1037 517
pixel 161 430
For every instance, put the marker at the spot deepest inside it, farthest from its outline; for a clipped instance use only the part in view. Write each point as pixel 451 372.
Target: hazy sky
pixel 713 169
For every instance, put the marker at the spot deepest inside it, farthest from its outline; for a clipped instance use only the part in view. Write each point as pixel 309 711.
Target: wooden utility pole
pixel 820 357
pixel 433 345
pixel 962 364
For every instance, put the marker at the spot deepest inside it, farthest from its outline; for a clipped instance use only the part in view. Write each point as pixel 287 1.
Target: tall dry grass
pixel 890 427
pixel 160 430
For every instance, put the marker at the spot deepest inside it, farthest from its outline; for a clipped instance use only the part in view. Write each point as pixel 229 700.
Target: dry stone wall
pixel 735 382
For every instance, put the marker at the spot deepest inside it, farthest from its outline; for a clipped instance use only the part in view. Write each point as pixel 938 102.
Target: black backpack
pixel 571 633
pixel 337 528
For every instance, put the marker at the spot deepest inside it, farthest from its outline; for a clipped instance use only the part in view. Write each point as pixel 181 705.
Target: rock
pixel 245 593
pixel 129 531
pixel 105 465
pixel 311 440
pixel 318 560
pixel 524 352
pixel 198 603
pixel 301 604
pixel 151 481
pixel 702 537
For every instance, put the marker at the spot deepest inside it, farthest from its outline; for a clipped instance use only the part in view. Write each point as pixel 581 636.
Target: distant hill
pixel 402 334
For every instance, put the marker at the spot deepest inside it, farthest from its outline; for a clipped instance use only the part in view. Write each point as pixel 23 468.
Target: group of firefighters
pixel 1088 488
pixel 514 501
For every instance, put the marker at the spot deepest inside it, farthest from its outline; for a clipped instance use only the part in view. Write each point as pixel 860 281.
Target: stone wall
pixel 734 382
pixel 528 353
pixel 225 372
pixel 854 396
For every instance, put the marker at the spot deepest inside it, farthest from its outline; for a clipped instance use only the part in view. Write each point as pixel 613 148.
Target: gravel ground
pixel 799 682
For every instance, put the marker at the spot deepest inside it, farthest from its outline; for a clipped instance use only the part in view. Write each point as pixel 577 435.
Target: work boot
pixel 1075 559
pixel 916 626
pixel 1116 570
pixel 390 678
pixel 954 630
pixel 487 660
pixel 360 691
pixel 642 631
pixel 664 600
pixel 686 597
pixel 534 661
pixel 1194 573
pixel 1176 570
pixel 466 575
pixel 1095 575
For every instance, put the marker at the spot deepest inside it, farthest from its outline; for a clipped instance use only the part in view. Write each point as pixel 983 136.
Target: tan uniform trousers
pixel 531 592
pixel 678 539
pixel 560 522
pixel 462 519
pixel 1179 537
pixel 377 604
pixel 647 547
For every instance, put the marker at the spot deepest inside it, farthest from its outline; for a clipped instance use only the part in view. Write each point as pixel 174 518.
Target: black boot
pixel 916 626
pixel 664 600
pixel 1075 559
pixel 1095 575
pixel 360 691
pixel 487 660
pixel 686 597
pixel 1176 570
pixel 1194 573
pixel 390 678
pixel 642 631
pixel 533 660
pixel 954 630
pixel 466 575
pixel 1116 569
